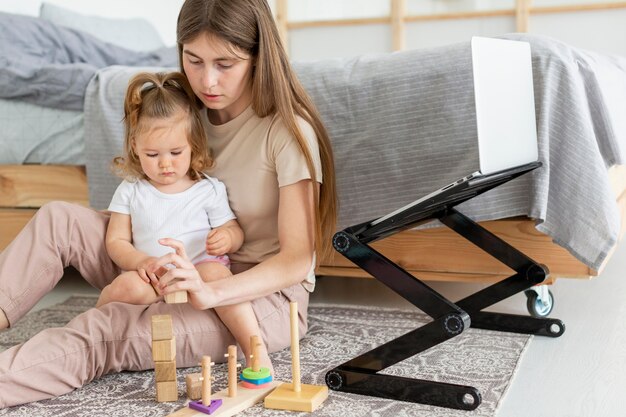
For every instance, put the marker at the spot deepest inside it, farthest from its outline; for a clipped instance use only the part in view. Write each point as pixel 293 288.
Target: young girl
pixel 165 195
pixel 274 156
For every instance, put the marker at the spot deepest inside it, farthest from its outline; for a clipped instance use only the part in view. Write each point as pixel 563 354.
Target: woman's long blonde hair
pixel 161 96
pixel 249 26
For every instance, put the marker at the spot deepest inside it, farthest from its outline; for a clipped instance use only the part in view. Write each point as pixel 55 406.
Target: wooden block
pixel 166 391
pixel 308 399
pixel 177 297
pixel 162 327
pixel 165 371
pixel 164 350
pixel 194 386
pixel 245 398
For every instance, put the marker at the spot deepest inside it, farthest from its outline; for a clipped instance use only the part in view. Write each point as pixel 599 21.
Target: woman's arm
pixel 296 210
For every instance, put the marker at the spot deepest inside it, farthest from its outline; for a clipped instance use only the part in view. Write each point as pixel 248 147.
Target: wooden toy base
pixel 206 409
pixel 308 399
pixel 245 398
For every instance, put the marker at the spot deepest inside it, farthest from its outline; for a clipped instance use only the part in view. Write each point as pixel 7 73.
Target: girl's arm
pixel 119 243
pixel 288 267
pixel 224 239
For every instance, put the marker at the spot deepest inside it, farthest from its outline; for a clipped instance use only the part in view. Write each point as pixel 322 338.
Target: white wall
pixel 603 31
pixel 161 13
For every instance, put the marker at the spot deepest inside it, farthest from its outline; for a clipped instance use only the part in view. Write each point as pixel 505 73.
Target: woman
pixel 272 153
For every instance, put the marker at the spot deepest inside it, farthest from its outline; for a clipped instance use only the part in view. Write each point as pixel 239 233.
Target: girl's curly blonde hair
pixel 161 96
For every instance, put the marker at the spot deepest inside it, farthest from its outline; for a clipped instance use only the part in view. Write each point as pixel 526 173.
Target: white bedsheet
pixel 31 134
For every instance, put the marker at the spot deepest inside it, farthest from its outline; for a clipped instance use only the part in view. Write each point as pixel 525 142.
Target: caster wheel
pixel 537 306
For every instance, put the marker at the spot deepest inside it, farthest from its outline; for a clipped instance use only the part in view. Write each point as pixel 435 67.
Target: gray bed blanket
pixel 49 65
pixel 403 125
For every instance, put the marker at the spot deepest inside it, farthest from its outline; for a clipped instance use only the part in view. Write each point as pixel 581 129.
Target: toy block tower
pixel 164 357
pixel 296 396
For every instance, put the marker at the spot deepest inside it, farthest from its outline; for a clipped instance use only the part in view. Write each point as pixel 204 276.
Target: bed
pixel 402 125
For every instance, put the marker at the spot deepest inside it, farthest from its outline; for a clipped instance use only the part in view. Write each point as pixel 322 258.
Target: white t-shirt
pixel 187 216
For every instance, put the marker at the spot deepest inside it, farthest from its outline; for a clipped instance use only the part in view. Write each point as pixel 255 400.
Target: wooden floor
pixel 580 374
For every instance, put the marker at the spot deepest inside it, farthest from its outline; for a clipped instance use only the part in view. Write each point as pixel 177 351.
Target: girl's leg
pixel 59 235
pixel 238 318
pixel 118 337
pixel 128 288
pixel 274 317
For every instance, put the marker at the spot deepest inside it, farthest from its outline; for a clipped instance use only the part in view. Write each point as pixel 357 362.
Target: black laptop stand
pixel 360 375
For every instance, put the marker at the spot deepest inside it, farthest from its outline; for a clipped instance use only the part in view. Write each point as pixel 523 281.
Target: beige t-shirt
pixel 253 158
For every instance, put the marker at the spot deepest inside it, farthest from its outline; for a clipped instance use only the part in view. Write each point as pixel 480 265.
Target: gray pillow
pixel 136 34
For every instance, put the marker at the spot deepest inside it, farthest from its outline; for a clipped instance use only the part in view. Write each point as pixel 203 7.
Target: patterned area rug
pixel 483 359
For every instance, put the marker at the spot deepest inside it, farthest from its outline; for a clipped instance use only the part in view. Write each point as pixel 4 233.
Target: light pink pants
pixel 116 336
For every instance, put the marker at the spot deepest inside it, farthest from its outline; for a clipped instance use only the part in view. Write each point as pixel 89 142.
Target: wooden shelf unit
pixel 522 12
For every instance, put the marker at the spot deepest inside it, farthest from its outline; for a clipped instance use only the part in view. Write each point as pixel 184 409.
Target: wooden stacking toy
pixel 235 398
pixel 296 396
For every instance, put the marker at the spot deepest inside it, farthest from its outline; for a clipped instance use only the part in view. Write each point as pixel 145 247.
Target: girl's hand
pixel 145 268
pixel 219 242
pixel 184 276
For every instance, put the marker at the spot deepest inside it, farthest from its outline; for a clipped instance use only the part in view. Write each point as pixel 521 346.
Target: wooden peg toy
pixel 206 404
pixel 296 396
pixel 254 347
pixel 235 398
pixel 232 370
pixel 255 375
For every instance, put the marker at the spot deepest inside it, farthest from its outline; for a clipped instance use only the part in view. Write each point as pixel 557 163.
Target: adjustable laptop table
pixel 360 375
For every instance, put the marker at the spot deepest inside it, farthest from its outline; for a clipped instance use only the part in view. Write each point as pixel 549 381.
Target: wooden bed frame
pixel 430 254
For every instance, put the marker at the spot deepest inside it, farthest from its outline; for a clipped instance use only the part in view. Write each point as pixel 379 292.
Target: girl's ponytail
pixel 160 96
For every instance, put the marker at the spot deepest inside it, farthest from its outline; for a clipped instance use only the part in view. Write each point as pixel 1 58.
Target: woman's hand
pixel 184 276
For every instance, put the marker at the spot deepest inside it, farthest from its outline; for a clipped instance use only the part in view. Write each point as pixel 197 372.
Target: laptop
pixel 506 127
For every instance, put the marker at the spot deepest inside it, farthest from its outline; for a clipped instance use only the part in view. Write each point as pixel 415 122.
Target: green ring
pixel 248 373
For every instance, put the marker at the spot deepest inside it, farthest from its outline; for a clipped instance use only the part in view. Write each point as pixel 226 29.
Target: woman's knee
pixel 58 210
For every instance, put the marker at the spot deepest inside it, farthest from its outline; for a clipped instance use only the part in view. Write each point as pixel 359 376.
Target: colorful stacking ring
pixel 251 375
